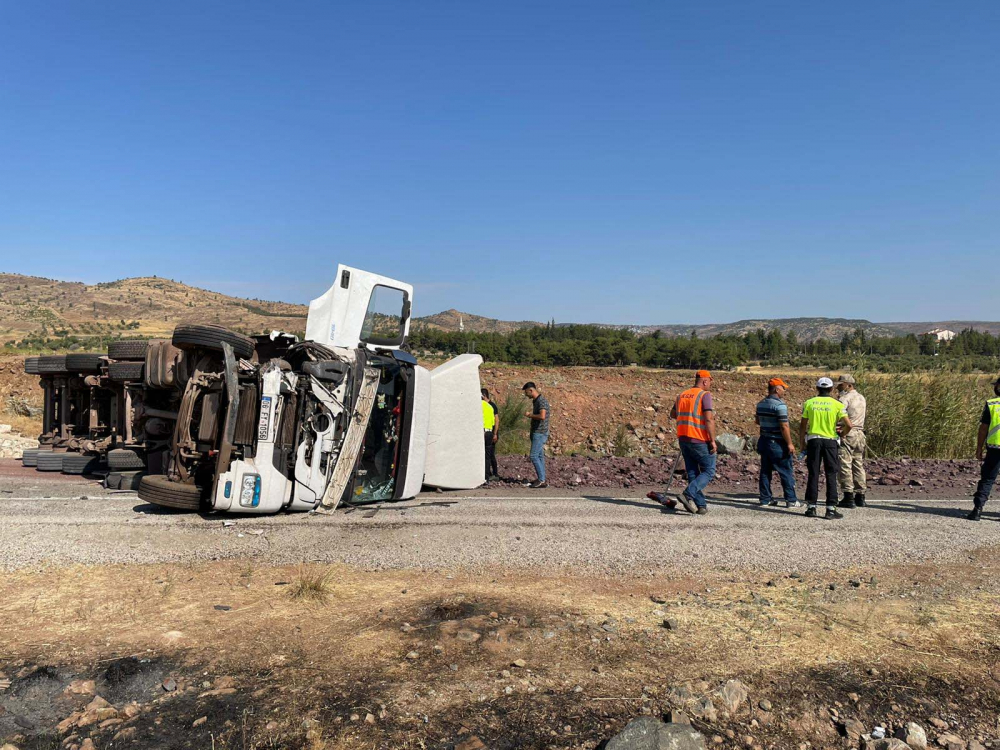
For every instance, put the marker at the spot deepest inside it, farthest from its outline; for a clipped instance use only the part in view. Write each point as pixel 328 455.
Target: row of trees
pixel 603 347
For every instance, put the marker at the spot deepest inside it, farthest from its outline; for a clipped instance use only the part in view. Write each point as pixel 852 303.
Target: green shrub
pixel 514 439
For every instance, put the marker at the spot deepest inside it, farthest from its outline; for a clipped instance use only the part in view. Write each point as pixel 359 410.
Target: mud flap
pixel 353 441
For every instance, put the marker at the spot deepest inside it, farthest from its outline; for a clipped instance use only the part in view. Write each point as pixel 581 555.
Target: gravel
pixel 68 520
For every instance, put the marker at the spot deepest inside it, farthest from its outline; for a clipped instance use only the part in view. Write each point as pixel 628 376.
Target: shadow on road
pixel 637 503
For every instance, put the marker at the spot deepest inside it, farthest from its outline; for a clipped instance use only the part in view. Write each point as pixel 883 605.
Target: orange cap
pixel 777 381
pixel 703 374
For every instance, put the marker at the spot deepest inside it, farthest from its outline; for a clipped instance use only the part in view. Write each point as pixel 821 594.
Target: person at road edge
pixel 775 446
pixel 539 431
pixel 853 480
pixel 818 431
pixel 491 433
pixel 988 439
pixel 694 411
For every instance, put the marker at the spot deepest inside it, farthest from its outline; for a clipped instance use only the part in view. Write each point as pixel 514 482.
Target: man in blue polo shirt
pixel 775 445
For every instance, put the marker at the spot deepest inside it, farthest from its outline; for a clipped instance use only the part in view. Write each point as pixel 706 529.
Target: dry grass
pixel 312 584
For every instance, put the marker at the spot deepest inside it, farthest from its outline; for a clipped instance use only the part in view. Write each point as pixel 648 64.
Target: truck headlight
pixel 250 490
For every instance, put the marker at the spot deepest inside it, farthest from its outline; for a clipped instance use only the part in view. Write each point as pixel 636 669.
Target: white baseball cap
pixel 824 383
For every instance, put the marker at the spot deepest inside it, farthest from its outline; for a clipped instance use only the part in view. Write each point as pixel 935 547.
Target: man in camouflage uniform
pixel 853 481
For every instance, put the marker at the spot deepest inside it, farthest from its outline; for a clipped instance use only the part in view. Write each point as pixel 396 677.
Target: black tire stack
pixel 125 459
pixel 129 350
pixel 77 463
pixel 49 460
pixel 211 337
pixel 126 371
pixel 52 364
pixel 159 490
pixel 87 363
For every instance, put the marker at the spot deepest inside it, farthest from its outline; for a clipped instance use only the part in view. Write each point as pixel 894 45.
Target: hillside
pixel 806 329
pixel 31 306
pixel 451 320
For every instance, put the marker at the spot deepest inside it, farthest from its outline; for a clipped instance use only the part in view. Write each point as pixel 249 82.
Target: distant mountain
pixel 454 320
pixel 145 306
pixel 151 306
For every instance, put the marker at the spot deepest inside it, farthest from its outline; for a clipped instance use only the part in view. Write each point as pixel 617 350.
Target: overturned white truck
pixel 345 416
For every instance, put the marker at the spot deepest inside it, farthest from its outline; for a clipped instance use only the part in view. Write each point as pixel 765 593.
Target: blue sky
pixel 649 162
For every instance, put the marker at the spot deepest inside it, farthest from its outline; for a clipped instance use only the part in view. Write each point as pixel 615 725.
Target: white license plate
pixel 264 425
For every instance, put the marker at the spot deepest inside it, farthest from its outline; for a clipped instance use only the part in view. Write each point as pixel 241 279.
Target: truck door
pixel 361 307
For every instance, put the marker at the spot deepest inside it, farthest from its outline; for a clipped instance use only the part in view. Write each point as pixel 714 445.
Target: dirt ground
pixel 248 652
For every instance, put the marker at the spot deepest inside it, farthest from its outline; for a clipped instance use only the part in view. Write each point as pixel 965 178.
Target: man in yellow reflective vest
pixel 824 422
pixel 491 433
pixel 989 439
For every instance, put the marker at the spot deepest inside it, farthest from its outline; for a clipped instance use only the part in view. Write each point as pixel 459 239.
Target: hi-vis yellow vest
pixel 993 436
pixel 489 417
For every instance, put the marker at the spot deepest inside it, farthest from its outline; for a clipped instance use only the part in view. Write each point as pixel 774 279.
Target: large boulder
pixel 647 733
pixel 729 444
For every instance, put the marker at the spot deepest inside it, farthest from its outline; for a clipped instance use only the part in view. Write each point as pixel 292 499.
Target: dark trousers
pixel 826 452
pixel 775 456
pixel 491 455
pixel 987 476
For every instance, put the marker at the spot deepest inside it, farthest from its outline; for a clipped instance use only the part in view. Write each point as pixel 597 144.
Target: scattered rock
pixel 675 716
pixel 169 685
pixel 413 656
pixel 647 733
pixel 764 705
pixel 467 636
pixel 733 695
pixel 913 735
pixel 670 623
pixel 81 687
pixel 519 663
pixel 951 741
pixel 937 723
pixel 222 607
pixel 199 721
pixel 852 729
pixel 729 444
pixel 470 743
pixel 887 743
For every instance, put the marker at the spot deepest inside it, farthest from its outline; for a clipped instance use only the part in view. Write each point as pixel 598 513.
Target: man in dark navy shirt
pixel 775 445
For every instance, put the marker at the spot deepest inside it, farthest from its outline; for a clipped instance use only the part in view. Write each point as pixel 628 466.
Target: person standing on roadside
pixel 821 416
pixel 539 416
pixel 853 481
pixel 491 433
pixel 988 439
pixel 694 411
pixel 775 445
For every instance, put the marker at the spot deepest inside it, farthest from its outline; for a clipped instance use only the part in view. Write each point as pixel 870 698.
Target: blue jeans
pixel 987 476
pixel 700 467
pixel 775 456
pixel 537 455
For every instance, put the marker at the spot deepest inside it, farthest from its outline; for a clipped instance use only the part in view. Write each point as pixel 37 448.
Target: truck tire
pixel 122 371
pixel 84 362
pixel 158 490
pixel 74 463
pixel 128 350
pixel 123 480
pixel 211 337
pixel 49 460
pixel 31 365
pixel 54 364
pixel 125 459
pixel 30 457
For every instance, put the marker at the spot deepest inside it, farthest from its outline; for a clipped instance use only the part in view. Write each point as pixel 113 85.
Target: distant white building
pixel 942 334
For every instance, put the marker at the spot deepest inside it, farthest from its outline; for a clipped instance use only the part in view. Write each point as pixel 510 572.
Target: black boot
pixel 976 513
pixel 848 501
pixel 832 512
pixel 811 511
pixel 859 499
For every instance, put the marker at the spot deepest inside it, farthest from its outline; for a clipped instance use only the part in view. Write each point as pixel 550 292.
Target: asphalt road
pixel 46 519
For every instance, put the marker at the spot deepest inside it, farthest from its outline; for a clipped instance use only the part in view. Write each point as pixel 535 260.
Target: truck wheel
pixel 123 480
pixel 123 371
pixel 30 457
pixel 158 490
pixel 125 459
pixel 211 337
pixel 31 365
pixel 52 364
pixel 84 362
pixel 49 460
pixel 76 464
pixel 128 350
